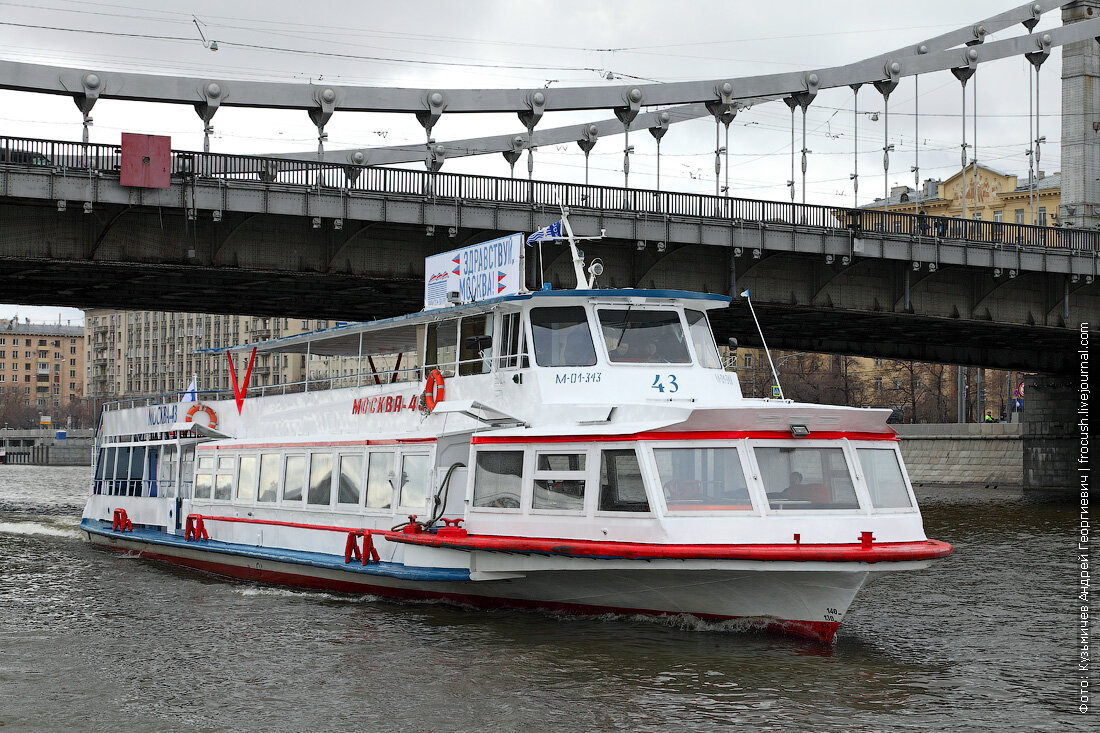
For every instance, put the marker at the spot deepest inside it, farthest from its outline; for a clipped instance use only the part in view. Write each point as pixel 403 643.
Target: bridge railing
pixel 463 187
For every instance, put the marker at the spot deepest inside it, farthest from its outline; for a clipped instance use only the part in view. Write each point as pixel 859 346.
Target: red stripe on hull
pixel 884 552
pixel 822 631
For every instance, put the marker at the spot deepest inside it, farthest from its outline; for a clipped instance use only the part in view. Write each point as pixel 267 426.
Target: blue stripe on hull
pixel 297 557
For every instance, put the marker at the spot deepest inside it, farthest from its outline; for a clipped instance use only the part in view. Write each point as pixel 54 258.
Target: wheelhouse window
pixel 472 360
pixel 268 487
pixel 702 338
pixel 414 480
pixel 440 347
pixel 351 479
pixel 559 482
pixel 513 342
pixel 885 481
pixel 643 336
pixel 806 478
pixel 702 479
pixel 621 486
pixel 320 479
pixel 294 477
pixel 379 474
pixel 562 337
pixel 498 479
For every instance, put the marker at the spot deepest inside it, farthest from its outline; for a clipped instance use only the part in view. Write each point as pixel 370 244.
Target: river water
pixel 93 639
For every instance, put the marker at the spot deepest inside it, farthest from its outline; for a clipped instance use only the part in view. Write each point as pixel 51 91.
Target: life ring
pixel 209 413
pixel 433 390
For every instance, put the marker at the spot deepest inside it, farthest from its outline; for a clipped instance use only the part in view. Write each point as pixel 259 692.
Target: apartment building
pixel 41 364
pixel 153 352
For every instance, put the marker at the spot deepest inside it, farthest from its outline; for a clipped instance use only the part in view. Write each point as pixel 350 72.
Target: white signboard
pixel 478 272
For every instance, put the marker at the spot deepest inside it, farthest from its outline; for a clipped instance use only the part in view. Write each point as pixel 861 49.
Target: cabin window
pixel 223 482
pixel 268 488
pixel 643 336
pixel 702 338
pixel 559 482
pixel 806 478
pixel 351 479
pixel 562 337
pixel 294 476
pixel 440 346
pixel 513 342
pixel 379 486
pixel 320 479
pixel 472 360
pixel 100 464
pixel 246 477
pixel 621 485
pixel 168 466
pixel 137 470
pixel 885 482
pixel 122 467
pixel 498 479
pixel 702 479
pixel 414 480
pixel 202 485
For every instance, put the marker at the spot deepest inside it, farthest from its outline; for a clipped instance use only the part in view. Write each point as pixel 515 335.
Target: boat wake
pixel 41 528
pixel 254 591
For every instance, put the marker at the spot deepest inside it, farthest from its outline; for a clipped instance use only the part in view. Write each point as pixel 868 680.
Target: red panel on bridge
pixel 146 160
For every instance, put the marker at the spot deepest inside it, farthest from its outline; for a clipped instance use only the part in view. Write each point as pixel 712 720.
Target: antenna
pixel 752 310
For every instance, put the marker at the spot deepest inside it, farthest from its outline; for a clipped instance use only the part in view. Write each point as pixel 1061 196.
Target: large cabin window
pixel 643 336
pixel 204 478
pixel 223 483
pixel 440 347
pixel 559 482
pixel 414 480
pixel 702 479
pixel 294 477
pixel 471 359
pixel 379 475
pixel 621 486
pixel 885 482
pixel 351 479
pixel 498 479
pixel 246 478
pixel 806 478
pixel 320 479
pixel 268 488
pixel 562 337
pixel 702 338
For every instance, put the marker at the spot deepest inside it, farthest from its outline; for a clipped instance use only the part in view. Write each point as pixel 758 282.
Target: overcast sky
pixel 529 44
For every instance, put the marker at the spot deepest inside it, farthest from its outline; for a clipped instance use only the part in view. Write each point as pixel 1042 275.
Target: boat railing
pixel 362 378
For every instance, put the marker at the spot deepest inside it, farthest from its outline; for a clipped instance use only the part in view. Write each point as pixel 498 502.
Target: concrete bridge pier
pixel 1049 435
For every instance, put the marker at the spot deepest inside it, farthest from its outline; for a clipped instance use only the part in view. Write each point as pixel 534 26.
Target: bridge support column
pixel 1081 122
pixel 1049 435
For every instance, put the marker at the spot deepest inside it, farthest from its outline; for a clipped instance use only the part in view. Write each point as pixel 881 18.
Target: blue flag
pixel 551 232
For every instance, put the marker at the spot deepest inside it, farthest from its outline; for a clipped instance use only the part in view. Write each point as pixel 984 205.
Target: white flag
pixel 192 390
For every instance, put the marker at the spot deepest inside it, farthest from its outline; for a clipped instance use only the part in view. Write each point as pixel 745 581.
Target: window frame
pixel 689 347
pixel 399 467
pixel 524 479
pixel 751 477
pixel 532 474
pixel 300 502
pixel 645 468
pixel 313 455
pixel 895 446
pixel 392 509
pixel 337 468
pixel 849 457
pixel 589 317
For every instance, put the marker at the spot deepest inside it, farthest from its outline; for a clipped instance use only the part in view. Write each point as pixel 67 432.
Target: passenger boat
pixel 577 451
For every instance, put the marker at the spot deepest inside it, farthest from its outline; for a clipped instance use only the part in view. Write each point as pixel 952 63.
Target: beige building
pixel 153 352
pixel 41 364
pixel 1000 197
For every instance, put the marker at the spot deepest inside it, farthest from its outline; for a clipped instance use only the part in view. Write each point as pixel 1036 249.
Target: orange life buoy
pixel 433 390
pixel 209 413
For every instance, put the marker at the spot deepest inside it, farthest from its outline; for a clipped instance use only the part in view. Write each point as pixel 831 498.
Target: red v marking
pixel 240 393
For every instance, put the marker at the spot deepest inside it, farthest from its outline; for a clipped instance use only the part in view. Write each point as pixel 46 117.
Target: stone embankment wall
pixel 964 455
pixel 43 448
